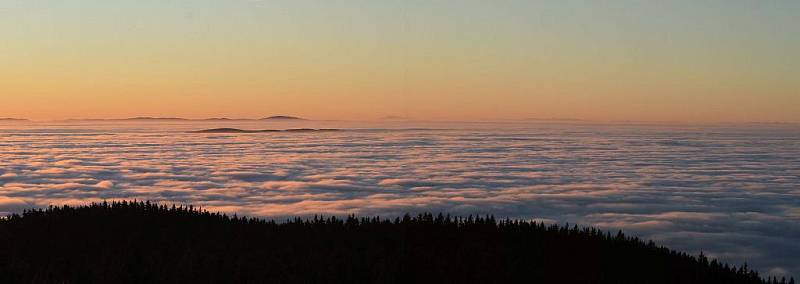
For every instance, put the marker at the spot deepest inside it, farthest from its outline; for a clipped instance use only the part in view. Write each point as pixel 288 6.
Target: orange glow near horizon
pixel 430 61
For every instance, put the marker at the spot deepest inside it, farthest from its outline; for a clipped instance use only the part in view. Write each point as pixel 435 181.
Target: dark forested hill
pixel 136 242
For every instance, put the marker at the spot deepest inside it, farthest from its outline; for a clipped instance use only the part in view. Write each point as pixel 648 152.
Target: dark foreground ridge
pixel 236 130
pixel 136 242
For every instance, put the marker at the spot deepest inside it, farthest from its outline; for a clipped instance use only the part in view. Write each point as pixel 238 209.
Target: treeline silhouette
pixel 142 242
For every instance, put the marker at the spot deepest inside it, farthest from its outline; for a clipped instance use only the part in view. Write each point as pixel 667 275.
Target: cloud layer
pixel 733 193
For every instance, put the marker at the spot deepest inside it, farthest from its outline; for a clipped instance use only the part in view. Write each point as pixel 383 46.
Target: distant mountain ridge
pixel 282 117
pixel 155 118
pixel 159 119
pixel 556 119
pixel 139 118
pixel 236 130
pixel 395 118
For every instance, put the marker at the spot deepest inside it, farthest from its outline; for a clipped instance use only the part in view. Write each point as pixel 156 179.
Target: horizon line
pixel 288 118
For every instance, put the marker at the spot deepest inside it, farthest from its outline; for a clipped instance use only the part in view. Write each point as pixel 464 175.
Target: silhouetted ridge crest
pixel 236 130
pixel 282 117
pixel 143 242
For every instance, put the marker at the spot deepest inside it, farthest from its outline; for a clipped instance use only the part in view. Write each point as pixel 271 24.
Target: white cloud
pixel 105 184
pixel 729 192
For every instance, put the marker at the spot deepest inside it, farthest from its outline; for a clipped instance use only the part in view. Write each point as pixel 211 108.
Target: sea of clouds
pixel 732 192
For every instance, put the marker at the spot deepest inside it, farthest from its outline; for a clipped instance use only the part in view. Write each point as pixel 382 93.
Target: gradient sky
pixel 703 61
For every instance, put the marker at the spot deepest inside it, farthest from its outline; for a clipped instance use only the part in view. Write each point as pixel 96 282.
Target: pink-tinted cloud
pixel 731 192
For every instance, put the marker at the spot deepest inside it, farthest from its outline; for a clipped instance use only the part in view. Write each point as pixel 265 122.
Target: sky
pixel 695 61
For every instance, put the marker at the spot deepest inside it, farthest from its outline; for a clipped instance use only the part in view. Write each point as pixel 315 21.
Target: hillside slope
pixel 134 242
